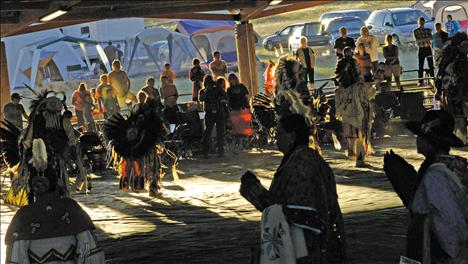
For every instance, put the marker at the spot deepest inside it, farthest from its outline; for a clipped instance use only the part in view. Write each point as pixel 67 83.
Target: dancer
pixel 302 200
pixel 45 148
pixel 436 195
pixel 52 230
pixel 134 140
pixel 452 82
pixel 353 107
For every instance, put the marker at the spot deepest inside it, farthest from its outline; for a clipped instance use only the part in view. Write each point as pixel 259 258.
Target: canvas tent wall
pixel 209 36
pixel 150 49
pixel 32 57
pixel 440 9
pixel 21 51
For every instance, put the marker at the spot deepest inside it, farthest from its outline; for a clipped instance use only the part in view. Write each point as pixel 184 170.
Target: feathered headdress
pixel 292 94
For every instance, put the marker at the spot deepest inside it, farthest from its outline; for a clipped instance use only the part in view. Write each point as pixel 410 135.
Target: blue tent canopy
pixel 191 27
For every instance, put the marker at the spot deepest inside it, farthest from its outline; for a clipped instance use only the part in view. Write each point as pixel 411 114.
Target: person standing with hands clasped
pixel 306 56
pixel 392 63
pixel 423 37
pixel 196 75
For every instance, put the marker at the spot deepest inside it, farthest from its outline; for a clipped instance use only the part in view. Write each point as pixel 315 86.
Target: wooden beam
pixel 22 6
pixel 49 25
pixel 59 24
pixel 152 3
pixel 200 16
pixel 290 7
pixel 153 11
pixel 28 18
pixel 248 13
pixel 4 80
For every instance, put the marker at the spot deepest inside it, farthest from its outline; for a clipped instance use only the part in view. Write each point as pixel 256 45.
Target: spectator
pixel 168 72
pixel 452 27
pixel 111 52
pixel 169 94
pixel 364 60
pixel 83 103
pixel 120 82
pixel 111 105
pixel 142 97
pixel 150 90
pixel 371 43
pixel 239 109
pixel 119 53
pixel 153 95
pixel 306 56
pixel 214 98
pixel 101 92
pixel 423 37
pixel 196 75
pixel 14 111
pixel 342 42
pixel 392 63
pixel 439 38
pixel 218 67
pixel 238 94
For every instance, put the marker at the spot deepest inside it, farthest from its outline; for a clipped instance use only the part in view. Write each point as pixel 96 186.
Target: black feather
pixel 133 137
pixel 9 139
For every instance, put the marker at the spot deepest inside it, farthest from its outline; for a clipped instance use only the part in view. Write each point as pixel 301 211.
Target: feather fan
pixel 9 139
pixel 134 136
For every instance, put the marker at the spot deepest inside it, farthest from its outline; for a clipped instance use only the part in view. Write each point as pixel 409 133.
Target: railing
pixel 330 89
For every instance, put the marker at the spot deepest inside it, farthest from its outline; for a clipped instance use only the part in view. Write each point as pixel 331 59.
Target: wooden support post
pixel 246 57
pixel 4 81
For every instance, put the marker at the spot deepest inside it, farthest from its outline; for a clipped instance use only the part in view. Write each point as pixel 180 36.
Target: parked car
pixel 318 42
pixel 280 37
pixel 332 27
pixel 399 21
pixel 361 13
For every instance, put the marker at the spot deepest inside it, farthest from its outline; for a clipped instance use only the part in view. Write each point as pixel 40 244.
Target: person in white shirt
pixel 371 43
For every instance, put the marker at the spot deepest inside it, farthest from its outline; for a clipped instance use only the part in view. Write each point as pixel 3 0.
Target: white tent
pixel 150 49
pixel 51 57
pixel 439 9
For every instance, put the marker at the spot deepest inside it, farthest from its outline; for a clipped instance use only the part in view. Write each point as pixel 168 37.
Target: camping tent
pixel 209 36
pixel 150 49
pixel 439 10
pixel 41 60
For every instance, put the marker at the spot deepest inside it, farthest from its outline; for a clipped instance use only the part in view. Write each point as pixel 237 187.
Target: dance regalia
pixel 452 82
pixel 293 184
pixel 353 103
pixel 52 230
pixel 433 195
pixel 134 140
pixel 46 147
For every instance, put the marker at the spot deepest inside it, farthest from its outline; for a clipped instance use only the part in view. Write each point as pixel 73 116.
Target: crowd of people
pixel 301 205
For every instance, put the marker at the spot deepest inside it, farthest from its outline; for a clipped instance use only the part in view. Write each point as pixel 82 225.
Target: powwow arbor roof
pixel 23 16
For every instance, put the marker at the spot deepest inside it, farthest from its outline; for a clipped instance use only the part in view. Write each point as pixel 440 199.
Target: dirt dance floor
pixel 203 219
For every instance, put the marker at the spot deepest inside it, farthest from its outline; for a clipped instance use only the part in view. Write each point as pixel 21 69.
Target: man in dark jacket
pixel 214 97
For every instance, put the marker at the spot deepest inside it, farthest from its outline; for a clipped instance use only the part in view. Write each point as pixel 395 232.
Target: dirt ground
pixel 203 219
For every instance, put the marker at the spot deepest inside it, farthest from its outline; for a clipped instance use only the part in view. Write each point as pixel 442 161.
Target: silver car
pixel 399 21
